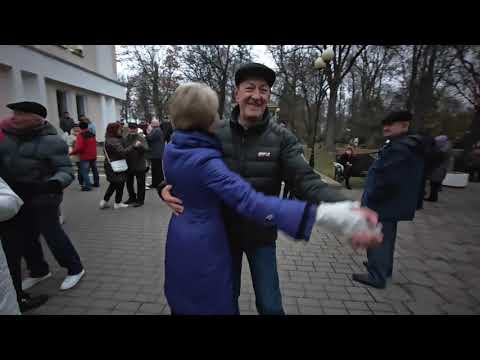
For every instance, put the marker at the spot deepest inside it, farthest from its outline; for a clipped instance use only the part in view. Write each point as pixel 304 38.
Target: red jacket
pixel 85 146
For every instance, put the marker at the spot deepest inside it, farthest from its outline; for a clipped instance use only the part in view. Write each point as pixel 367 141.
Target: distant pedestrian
pixel 347 159
pixel 440 169
pixel 137 166
pixel 66 122
pixel 86 148
pixel 156 143
pixel 115 150
pixel 91 124
pixel 473 163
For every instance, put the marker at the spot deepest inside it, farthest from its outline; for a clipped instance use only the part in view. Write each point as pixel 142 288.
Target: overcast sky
pixel 260 54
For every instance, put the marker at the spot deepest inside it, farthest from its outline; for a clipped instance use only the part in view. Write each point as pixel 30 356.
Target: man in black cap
pixel 34 163
pixel 392 187
pixel 66 122
pixel 264 153
pixel 137 165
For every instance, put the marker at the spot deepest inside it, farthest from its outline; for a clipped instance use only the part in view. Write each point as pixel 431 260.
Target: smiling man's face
pixel 252 97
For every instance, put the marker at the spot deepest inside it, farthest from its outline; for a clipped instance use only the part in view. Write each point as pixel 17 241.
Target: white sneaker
pixel 28 282
pixel 119 205
pixel 71 280
pixel 104 204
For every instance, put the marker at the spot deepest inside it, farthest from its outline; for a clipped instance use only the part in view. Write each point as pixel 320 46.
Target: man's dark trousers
pixel 157 172
pixel 380 258
pixel 263 267
pixel 21 238
pixel 140 195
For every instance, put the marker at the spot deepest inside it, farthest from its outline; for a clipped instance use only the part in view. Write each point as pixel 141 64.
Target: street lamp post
pixel 320 64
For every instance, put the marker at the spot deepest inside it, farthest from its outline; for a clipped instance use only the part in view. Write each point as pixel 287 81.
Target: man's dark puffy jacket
pixel 156 143
pixel 136 159
pixel 30 160
pixel 394 180
pixel 265 155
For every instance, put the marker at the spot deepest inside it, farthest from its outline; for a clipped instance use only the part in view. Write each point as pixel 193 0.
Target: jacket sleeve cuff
pixel 308 220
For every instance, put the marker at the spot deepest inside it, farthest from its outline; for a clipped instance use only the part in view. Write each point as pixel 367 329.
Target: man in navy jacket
pixel 392 188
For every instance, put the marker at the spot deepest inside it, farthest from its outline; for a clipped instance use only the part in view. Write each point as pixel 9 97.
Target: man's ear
pixel 235 94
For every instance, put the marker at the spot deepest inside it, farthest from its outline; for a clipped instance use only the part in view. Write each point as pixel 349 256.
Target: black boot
pixel 28 302
pixel 131 201
pixel 365 279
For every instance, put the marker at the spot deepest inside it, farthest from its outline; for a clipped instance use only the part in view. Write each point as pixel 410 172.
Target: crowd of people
pixel 222 182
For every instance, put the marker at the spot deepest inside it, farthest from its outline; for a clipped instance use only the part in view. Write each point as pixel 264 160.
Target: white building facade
pixel 80 79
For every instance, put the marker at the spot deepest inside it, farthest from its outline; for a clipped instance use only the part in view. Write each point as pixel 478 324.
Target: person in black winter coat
pixel 137 165
pixel 156 143
pixel 347 159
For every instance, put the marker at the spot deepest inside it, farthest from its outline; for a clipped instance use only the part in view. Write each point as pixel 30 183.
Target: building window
pixel 61 103
pixel 74 49
pixel 80 106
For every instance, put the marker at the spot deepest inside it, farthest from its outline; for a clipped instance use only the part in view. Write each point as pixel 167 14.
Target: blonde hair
pixel 194 106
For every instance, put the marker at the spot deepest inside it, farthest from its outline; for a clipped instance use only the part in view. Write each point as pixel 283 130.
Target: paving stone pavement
pixel 436 271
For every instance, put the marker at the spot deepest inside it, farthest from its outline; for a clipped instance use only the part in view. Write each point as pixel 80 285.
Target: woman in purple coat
pixel 198 268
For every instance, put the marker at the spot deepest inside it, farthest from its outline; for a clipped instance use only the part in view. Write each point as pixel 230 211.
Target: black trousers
pixel 140 194
pixel 20 237
pixel 434 188
pixel 157 172
pixel 116 188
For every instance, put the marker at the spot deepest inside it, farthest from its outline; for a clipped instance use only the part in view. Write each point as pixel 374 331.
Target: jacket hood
pixel 413 142
pixel 258 127
pixel 195 139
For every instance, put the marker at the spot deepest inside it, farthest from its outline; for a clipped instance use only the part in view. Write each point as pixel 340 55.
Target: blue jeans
pixel 85 165
pixel 380 258
pixel 263 267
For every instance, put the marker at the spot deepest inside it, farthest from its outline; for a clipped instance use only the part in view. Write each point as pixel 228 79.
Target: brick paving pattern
pixel 437 263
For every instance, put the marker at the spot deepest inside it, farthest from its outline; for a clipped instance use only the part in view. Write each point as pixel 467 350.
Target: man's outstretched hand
pixel 372 237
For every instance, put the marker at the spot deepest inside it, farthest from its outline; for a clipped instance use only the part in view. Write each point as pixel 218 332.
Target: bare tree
pixel 215 65
pixel 335 72
pixel 465 79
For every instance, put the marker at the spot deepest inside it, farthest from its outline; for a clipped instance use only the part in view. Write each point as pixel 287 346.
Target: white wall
pixel 31 61
pixel 4 91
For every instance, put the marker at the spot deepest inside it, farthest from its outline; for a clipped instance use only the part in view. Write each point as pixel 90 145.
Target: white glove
pixel 340 218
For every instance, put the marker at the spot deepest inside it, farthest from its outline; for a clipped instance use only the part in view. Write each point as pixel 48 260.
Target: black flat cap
pixel 397 116
pixel 255 70
pixel 29 107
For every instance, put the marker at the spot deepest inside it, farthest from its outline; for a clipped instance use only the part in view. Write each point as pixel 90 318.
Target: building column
pixel 72 104
pixel 17 93
pixel 103 121
pixel 42 91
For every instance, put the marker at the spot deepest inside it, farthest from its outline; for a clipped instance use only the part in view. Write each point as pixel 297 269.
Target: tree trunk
pixel 332 104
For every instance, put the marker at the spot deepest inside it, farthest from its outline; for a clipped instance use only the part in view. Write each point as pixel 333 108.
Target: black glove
pixel 50 187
